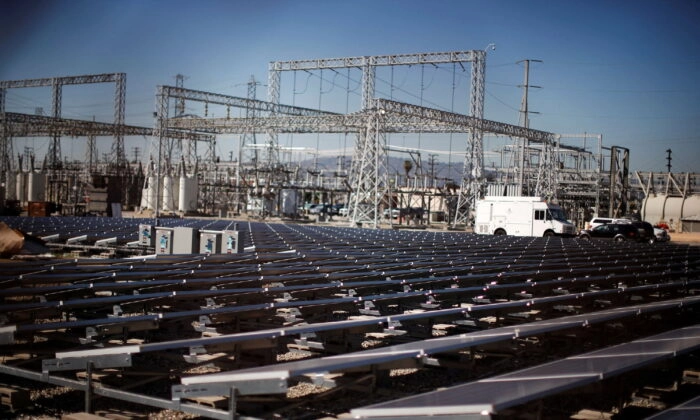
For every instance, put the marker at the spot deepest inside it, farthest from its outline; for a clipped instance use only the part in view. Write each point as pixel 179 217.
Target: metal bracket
pixel 249 387
pixel 201 326
pixel 80 363
pixel 117 312
pixel 89 333
pixel 7 334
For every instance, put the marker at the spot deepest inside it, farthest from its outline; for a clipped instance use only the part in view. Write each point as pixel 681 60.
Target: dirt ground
pixel 685 238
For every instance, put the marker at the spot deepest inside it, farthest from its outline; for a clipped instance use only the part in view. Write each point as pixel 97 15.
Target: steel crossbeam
pixel 65 80
pixel 238 102
pixel 464 122
pixel 399 118
pixel 284 124
pixel 28 125
pixel 63 358
pixel 377 60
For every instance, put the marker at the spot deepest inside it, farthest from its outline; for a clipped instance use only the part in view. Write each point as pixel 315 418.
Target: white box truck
pixel 520 216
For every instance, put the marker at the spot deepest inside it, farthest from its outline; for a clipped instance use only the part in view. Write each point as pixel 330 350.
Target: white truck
pixel 520 216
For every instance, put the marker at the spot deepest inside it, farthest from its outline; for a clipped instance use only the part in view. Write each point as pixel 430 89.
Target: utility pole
pixel 525 121
pixel 136 151
pixel 432 161
pixel 668 160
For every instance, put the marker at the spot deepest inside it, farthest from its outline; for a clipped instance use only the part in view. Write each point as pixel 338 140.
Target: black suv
pixel 646 231
pixel 618 232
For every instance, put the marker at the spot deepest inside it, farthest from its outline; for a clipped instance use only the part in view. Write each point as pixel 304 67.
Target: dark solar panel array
pixel 320 290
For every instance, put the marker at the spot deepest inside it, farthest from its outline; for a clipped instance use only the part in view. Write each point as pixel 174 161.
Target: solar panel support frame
pixel 80 363
pixel 7 334
pixel 255 387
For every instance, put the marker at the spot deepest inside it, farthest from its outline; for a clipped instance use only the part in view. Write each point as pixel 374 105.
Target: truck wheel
pixel 499 232
pixel 548 234
pixel 619 238
pixel 585 237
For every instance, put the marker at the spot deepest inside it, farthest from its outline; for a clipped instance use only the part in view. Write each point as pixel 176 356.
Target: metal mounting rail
pixel 418 351
pixel 67 359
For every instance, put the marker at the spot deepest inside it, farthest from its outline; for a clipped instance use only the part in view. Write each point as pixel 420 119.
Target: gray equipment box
pixel 147 235
pixel 185 241
pixel 210 241
pixel 164 240
pixel 231 242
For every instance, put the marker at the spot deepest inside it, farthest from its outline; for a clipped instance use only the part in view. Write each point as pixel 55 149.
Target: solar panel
pixel 306 285
pixel 489 396
pixel 689 410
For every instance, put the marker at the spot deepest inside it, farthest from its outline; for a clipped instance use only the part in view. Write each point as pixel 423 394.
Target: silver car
pixel 661 235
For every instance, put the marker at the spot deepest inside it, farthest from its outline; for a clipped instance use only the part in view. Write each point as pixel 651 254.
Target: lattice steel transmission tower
pixel 248 138
pixel 369 175
pixel 547 181
pixel 619 181
pixel 6 151
pixel 54 154
pixel 180 103
pixel 473 182
pixel 91 158
pixel 120 163
pixel 273 97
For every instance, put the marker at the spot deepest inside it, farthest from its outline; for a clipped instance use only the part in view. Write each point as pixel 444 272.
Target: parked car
pixel 395 213
pixel 597 221
pixel 335 209
pixel 661 235
pixel 618 232
pixel 343 211
pixel 321 208
pixel 314 209
pixel 646 231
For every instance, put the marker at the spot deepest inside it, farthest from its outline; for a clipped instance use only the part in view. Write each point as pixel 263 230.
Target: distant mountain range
pixel 441 171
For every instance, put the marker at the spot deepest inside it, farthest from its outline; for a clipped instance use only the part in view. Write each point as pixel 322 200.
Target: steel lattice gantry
pixel 399 117
pixel 167 150
pixel 57 83
pixel 363 178
pixel 212 126
pixel 376 118
pixel 384 116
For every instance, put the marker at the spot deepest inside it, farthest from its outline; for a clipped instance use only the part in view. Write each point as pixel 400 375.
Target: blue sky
pixel 624 69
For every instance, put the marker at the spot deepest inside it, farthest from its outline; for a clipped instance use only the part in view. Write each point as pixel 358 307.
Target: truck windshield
pixel 557 214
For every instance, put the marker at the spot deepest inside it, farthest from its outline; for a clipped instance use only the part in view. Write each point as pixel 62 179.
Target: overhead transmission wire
pixel 16 100
pixel 332 83
pixel 432 104
pixel 320 97
pixel 393 87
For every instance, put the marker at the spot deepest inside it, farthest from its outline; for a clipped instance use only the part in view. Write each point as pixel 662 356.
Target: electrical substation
pixel 182 173
pixel 224 295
